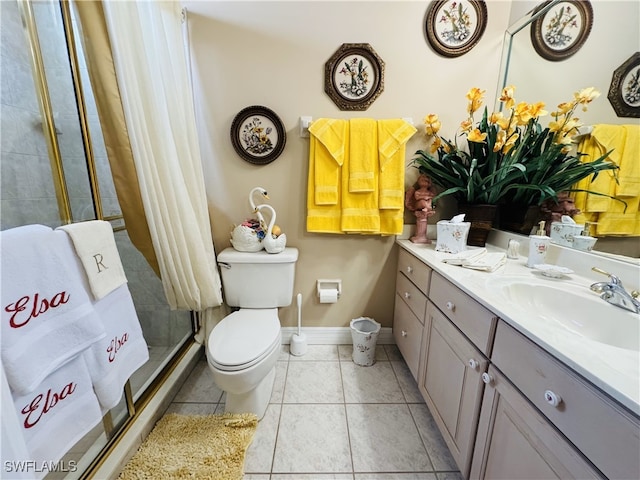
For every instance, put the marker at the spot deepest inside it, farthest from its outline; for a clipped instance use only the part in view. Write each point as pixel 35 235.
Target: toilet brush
pixel 298 344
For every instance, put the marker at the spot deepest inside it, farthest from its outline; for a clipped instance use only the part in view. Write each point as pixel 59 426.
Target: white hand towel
pixel 96 246
pixel 121 352
pixel 464 256
pixel 58 413
pixel 47 315
pixel 488 262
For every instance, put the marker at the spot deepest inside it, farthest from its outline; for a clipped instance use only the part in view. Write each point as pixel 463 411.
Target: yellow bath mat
pixel 190 446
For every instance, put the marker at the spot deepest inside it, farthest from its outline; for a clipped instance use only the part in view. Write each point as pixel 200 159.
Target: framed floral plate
pixel 354 76
pixel 562 29
pixel 624 92
pixel 454 27
pixel 257 135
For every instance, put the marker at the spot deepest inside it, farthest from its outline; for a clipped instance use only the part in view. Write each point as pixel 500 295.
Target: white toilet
pixel 243 348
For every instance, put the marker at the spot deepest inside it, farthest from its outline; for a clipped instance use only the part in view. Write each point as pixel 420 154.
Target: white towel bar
pixel 305 123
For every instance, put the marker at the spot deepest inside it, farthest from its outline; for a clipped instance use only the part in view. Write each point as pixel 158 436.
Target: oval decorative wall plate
pixel 257 135
pixel 454 27
pixel 562 30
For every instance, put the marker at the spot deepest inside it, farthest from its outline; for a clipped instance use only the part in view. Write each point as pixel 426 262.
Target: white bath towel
pixel 96 246
pixel 58 413
pixel 47 314
pixel 121 352
pixel 13 447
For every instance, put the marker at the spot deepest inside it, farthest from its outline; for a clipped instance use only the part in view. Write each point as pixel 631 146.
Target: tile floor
pixel 331 419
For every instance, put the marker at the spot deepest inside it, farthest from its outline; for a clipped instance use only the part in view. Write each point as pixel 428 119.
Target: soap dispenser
pixel 585 241
pixel 538 245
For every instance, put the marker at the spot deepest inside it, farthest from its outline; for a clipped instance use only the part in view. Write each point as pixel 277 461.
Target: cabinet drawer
pixel 415 270
pixel 475 321
pixel 412 296
pixel 604 432
pixel 407 332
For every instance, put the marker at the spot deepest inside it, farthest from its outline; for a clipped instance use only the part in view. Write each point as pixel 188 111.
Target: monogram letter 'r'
pixel 101 266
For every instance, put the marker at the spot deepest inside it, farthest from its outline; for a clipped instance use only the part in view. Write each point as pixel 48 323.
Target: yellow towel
pixel 392 137
pixel 328 137
pixel 629 174
pixel 610 216
pixel 601 140
pixel 321 218
pixel 360 212
pixel 363 155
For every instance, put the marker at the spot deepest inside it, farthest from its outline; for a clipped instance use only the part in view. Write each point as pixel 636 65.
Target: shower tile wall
pixel 27 191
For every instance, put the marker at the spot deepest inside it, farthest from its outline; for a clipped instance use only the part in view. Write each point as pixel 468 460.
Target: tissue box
pixel 563 233
pixel 452 236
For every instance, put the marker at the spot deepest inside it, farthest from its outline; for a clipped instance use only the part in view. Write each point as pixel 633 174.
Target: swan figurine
pixel 271 242
pixel 247 236
pixel 252 193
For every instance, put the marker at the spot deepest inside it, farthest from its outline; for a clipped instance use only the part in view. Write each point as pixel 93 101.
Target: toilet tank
pixel 258 279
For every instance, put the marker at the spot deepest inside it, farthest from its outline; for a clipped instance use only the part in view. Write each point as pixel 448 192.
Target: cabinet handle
pixel 486 378
pixel 404 333
pixel 552 398
pixel 473 363
pixel 409 269
pixel 407 295
pixel 451 306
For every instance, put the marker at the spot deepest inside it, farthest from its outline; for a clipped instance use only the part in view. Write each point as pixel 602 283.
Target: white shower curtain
pixel 151 67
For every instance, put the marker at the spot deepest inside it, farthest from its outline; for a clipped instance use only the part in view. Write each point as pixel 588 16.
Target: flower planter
pixel 518 218
pixel 481 218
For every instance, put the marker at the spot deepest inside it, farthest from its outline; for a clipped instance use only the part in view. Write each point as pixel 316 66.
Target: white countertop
pixel 614 370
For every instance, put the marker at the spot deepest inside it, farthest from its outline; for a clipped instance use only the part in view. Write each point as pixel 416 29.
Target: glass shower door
pixel 54 170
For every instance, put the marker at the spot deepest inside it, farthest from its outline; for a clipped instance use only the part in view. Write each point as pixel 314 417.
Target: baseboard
pixel 333 335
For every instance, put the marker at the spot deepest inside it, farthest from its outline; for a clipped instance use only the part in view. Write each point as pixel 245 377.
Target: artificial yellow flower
pixel 555 126
pixel 432 124
pixel 475 96
pixel 564 108
pixel 586 95
pixel 522 113
pixel 537 110
pixel 500 138
pixel 496 117
pixel 476 136
pixel 437 142
pixel 466 125
pixel 507 97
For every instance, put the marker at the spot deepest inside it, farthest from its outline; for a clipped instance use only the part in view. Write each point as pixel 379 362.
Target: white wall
pixel 273 54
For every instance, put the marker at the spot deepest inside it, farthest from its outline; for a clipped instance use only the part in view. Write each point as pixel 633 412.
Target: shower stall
pixel 54 170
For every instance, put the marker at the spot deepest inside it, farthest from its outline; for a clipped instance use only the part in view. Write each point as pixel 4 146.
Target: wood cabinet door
pixel 451 384
pixel 516 442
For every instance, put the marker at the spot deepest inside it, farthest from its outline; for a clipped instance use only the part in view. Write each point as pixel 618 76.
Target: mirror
pixel 613 39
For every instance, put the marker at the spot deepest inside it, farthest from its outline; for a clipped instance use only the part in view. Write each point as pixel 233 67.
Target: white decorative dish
pixel 553 271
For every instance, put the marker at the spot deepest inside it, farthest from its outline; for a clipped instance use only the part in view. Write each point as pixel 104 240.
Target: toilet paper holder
pixel 329 284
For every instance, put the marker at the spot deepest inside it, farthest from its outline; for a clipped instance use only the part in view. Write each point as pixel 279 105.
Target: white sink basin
pixel 572 306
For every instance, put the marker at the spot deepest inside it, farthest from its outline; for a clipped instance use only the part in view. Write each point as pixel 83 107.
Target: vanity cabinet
pixel 412 285
pixel 506 407
pixel 515 441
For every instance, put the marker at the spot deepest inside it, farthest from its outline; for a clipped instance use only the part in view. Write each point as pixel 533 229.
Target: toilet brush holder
pixel 298 343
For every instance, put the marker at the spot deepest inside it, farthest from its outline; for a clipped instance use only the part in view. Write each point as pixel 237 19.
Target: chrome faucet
pixel 614 293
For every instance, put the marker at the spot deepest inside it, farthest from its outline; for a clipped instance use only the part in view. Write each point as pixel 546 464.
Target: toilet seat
pixel 243 339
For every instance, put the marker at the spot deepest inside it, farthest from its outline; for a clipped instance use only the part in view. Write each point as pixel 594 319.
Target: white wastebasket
pixel 364 333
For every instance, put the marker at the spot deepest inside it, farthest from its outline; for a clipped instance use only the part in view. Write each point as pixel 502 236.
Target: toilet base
pixel 254 401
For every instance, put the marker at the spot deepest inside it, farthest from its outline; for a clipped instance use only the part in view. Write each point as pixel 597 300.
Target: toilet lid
pixel 243 338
